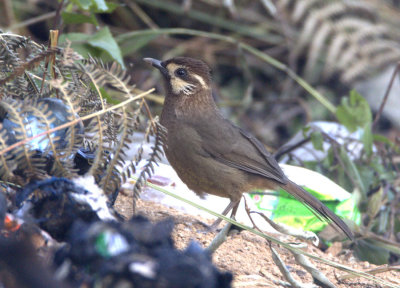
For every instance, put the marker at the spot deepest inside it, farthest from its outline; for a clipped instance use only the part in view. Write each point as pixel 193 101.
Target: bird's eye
pixel 180 72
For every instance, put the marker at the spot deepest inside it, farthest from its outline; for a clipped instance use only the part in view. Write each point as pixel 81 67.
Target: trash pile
pixel 56 233
pixel 58 229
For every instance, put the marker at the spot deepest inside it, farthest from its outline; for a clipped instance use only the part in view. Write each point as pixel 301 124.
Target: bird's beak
pixel 157 64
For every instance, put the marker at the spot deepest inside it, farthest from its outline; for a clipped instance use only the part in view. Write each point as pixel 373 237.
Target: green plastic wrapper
pixel 281 207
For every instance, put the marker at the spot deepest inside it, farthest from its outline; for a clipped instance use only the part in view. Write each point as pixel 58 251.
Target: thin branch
pixel 56 22
pixel 288 230
pixel 31 21
pixel 9 12
pixel 289 148
pixel 378 115
pixel 285 271
pixel 151 118
pixel 211 18
pixel 141 14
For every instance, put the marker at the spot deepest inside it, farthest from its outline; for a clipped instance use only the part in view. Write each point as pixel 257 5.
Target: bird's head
pixel 183 76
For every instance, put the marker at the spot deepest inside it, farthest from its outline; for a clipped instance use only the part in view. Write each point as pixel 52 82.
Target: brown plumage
pixel 208 152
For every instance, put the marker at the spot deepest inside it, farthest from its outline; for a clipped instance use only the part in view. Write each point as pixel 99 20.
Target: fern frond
pixel 23 154
pixel 69 57
pixel 32 63
pixel 378 61
pixel 157 152
pixel 300 10
pixel 111 179
pixel 9 43
pixel 96 135
pixel 115 75
pixel 111 132
pixel 119 79
pixel 45 118
pixel 5 169
pixel 345 38
pixel 74 138
pixel 315 52
pixel 32 88
pixel 95 76
pixel 57 140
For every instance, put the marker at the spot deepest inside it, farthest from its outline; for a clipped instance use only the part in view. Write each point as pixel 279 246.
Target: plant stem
pixel 215 21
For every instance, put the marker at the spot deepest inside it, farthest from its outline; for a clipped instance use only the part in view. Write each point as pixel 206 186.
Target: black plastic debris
pixel 135 254
pixel 83 159
pixel 55 204
pixel 95 248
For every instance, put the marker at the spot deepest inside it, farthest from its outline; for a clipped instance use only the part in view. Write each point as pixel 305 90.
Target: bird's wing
pixel 239 149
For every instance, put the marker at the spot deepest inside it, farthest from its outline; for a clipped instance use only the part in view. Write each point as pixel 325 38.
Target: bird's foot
pixel 209 228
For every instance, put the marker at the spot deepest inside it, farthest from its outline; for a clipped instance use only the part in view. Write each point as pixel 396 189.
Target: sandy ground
pixel 248 256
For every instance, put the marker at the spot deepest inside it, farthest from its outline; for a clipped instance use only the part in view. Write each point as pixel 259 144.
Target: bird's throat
pixel 190 105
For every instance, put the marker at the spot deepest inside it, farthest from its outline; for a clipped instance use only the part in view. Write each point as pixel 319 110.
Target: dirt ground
pixel 248 256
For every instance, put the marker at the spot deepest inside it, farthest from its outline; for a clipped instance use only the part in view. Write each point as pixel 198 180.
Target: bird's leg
pixel 234 209
pixel 221 236
pixel 233 205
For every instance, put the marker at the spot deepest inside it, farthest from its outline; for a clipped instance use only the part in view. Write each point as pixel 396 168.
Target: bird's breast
pixel 196 168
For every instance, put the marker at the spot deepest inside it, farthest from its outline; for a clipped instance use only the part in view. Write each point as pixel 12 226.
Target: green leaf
pixel 101 5
pixel 83 4
pixel 78 43
pixel 96 6
pixel 107 96
pixel 78 18
pixel 375 204
pixel 383 139
pixel 134 43
pixel 382 172
pixel 72 37
pixel 106 42
pixel 383 222
pixel 357 197
pixel 305 131
pixel 354 112
pixel 111 6
pixel 352 170
pixel 367 139
pixel 392 247
pixel 367 251
pixel 328 161
pixel 95 44
pixel 317 140
pixel 367 175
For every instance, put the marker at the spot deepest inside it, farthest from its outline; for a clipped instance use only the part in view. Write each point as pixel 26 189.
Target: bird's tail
pixel 316 206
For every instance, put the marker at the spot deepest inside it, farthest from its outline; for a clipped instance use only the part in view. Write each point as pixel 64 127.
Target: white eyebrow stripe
pixel 201 80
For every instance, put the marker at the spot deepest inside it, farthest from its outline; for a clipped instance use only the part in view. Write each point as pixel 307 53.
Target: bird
pixel 209 153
